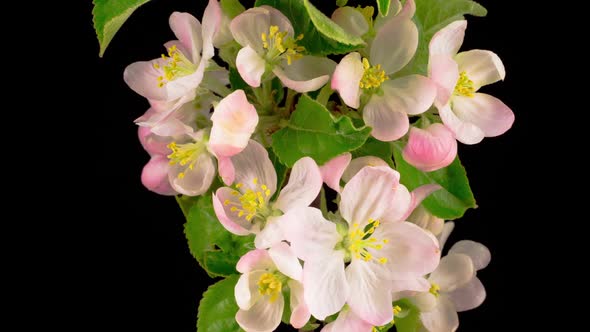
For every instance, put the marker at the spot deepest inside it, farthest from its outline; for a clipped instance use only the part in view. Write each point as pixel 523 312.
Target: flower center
pixel 279 45
pixel 434 289
pixel 270 284
pixel 185 154
pixel 373 76
pixel 253 203
pixel 361 240
pixel 464 86
pixel 396 310
pixel 177 65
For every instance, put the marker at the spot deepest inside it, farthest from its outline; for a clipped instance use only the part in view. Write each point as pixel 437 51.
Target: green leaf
pixel 312 131
pixel 341 3
pixel 408 320
pixel 216 249
pixel 109 16
pixel 235 80
pixel 452 200
pixel 377 148
pixel 231 8
pixel 281 171
pixel 321 35
pixel 383 6
pixel 218 308
pixel 430 17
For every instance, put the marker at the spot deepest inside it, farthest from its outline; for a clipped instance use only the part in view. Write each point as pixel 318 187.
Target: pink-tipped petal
pixel 479 254
pixel 300 314
pixel 332 170
pixel 305 183
pixel 253 260
pixel 196 181
pixel 430 149
pixel 211 25
pixel 306 74
pixel 413 94
pixel 348 321
pixel 444 72
pixel 188 31
pixel 418 195
pixel 246 290
pixel 369 195
pixel 442 318
pixel 226 170
pixel 454 271
pixel 395 44
pixel 250 66
pixel 359 163
pixel 263 316
pixel 448 40
pixel 309 233
pixel 155 176
pixel 142 78
pixel 468 296
pixel 351 20
pixel 286 261
pixel 223 200
pixel 347 77
pixel 465 132
pixel 388 124
pixel 482 67
pixel 370 297
pixel 234 121
pixel 325 286
pixel 486 112
pixel 152 143
pixel 408 10
pixel 253 169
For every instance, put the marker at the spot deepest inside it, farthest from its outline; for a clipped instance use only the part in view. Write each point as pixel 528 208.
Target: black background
pixel 141 274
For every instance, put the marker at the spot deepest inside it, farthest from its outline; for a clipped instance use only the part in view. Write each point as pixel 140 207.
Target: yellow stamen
pixel 361 240
pixel 253 202
pixel 465 86
pixel 177 65
pixel 434 289
pixel 280 46
pixel 270 284
pixel 185 154
pixel 373 76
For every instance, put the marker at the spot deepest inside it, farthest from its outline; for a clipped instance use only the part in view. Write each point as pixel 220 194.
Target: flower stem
pixel 324 95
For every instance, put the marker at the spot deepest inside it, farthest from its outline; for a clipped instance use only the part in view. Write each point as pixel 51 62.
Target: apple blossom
pixel 431 148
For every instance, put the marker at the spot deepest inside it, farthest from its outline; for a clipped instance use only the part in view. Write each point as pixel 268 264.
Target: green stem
pixel 182 207
pixel 289 101
pixel 324 95
pixel 323 202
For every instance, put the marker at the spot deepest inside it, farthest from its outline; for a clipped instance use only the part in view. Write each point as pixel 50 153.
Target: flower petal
pixel 263 316
pixel 465 132
pixel 416 285
pixel 368 195
pixel 305 183
pixel 254 168
pixel 388 124
pixel 425 301
pixel 197 180
pixel 425 220
pixel 480 255
pixel 395 44
pixel 400 205
pixel 442 318
pixel 469 296
pixel 211 25
pixel 234 121
pixel 300 314
pixel 370 298
pixel 488 113
pixel 351 20
pixel 153 144
pixel 271 234
pixel 444 72
pixel 223 201
pixel 448 40
pixel 154 176
pixel 248 27
pixel 453 271
pixel 446 232
pixel 142 78
pixel 253 260
pixel 188 31
pixel 348 321
pixel 358 163
pixel 286 261
pixel 347 77
pixel 482 67
pixel 310 234
pixel 325 285
pixel 413 94
pixel 226 170
pixel 419 194
pixel 250 66
pixel 246 290
pixel 333 169
pixel 306 74
pixel 430 149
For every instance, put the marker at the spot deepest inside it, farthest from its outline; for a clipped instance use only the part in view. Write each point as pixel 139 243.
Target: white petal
pixel 448 40
pixel 246 290
pixel 196 181
pixel 388 124
pixel 442 318
pixel 248 27
pixel 333 170
pixel 250 65
pixel 188 31
pixel 286 261
pixel 351 20
pixel 325 285
pixel 310 234
pixel 270 235
pixel 445 233
pixel 444 72
pixel 300 314
pixel 453 271
pixel 479 254
pixel 348 321
pixel 394 45
pixel 425 301
pixel 468 296
pixel 223 201
pixel 415 285
pixel 413 94
pixel 305 183
pixel 253 260
pixel 358 163
pixel 306 74
pixel 347 77
pixel 370 297
pixel 486 112
pixel 254 168
pixel 211 24
pixel 368 195
pixel 263 316
pixel 465 132
pixel 482 67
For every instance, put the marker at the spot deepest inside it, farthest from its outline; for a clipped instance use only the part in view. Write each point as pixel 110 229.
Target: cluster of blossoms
pixel 345 268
